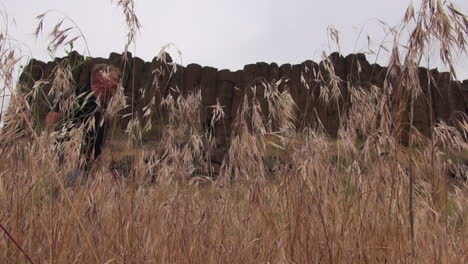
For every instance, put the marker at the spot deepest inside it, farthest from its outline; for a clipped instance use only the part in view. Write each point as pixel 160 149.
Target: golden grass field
pixel 280 195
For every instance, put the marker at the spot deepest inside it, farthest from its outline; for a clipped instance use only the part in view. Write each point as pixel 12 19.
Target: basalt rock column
pixel 295 88
pixel 147 83
pixel 176 81
pixel 457 102
pixel 192 79
pixel 32 73
pixel 378 75
pixel 145 97
pixel 441 95
pixel 273 76
pixel 162 74
pixel 262 79
pixel 224 94
pixel 208 92
pixel 335 86
pixel 465 94
pixel 422 105
pixel 358 74
pixel 238 94
pixel 74 61
pixel 133 91
pixel 305 81
pixel 311 92
pixel 42 105
pixel 273 73
pixel 244 91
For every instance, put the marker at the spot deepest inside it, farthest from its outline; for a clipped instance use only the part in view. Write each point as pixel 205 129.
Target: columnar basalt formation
pixel 145 83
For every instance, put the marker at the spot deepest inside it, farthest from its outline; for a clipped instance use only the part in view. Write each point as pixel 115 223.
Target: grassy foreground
pixel 319 207
pixel 279 196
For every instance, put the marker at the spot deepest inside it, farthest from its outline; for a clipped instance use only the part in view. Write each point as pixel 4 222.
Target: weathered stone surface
pixel 146 83
pixel 144 92
pixel 225 88
pixel 295 89
pixel 465 94
pixel 132 91
pixel 248 81
pixel 74 61
pixel 32 73
pixel 378 75
pixel 309 93
pixel 456 101
pixel 422 106
pixel 238 93
pixel 192 78
pixel 441 95
pixel 49 74
pixel 301 80
pixel 208 91
pixel 295 83
pixel 262 80
pixel 84 77
pixel 224 93
pixel 273 72
pixel 245 93
pixel 136 80
pixel 42 105
pixel 162 75
pixel 176 81
pixel 358 69
pixel 262 70
pixel 335 107
pixel 320 116
pixel 285 74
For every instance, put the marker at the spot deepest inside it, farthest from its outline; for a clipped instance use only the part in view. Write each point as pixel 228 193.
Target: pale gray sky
pixel 221 33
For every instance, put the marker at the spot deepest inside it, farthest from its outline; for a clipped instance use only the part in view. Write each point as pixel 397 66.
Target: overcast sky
pixel 219 33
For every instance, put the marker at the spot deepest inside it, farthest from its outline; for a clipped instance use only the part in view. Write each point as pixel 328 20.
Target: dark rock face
pixel 132 91
pixel 335 109
pixel 238 93
pixel 176 82
pixel 441 96
pixel 421 105
pixel 262 77
pixel 273 72
pixel 224 94
pixel 246 80
pixel 358 69
pixel 192 79
pixel 147 83
pixel 285 72
pixel 464 89
pixel 457 101
pixel 310 91
pixel 296 90
pixel 208 91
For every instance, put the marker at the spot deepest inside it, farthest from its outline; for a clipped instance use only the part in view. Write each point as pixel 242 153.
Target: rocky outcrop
pixel 442 98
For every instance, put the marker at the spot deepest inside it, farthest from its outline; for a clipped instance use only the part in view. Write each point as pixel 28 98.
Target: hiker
pixel 93 98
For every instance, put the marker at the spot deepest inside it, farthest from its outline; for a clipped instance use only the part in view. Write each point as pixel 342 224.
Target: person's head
pixel 104 80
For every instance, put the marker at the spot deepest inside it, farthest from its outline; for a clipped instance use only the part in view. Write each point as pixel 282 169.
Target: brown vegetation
pixel 278 196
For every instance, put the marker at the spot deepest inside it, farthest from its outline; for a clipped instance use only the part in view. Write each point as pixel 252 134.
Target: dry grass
pixel 280 196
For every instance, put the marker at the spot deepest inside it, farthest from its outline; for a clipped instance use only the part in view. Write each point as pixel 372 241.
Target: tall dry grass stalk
pixel 279 196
